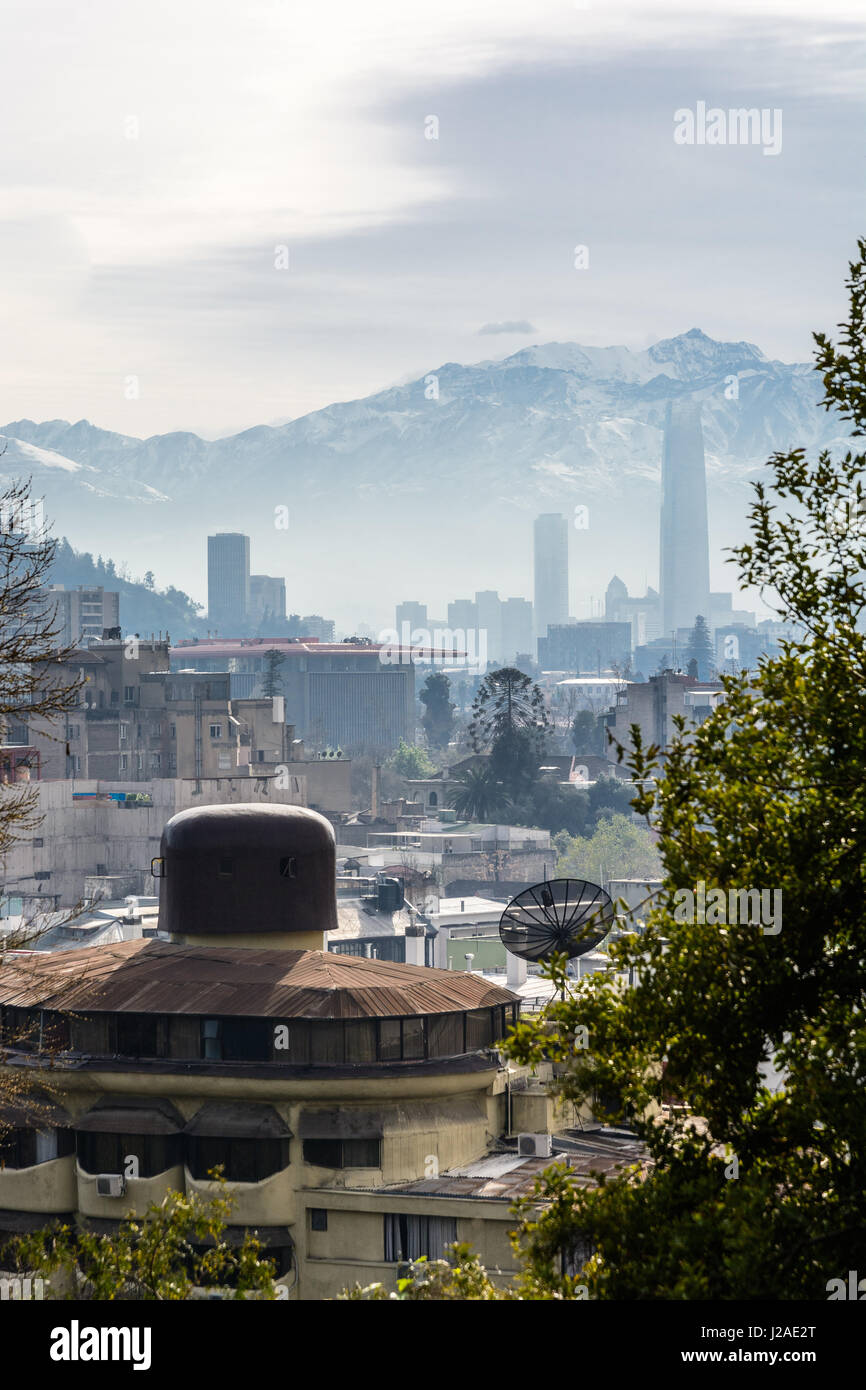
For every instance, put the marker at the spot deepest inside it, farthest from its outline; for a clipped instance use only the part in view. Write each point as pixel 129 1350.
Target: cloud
pixel 509 326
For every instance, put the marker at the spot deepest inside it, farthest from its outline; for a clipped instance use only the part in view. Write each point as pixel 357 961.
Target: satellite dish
pixel 562 916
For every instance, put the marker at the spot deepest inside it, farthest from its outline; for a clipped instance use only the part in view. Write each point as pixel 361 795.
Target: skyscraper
pixel 684 552
pixel 228 581
pixel 551 571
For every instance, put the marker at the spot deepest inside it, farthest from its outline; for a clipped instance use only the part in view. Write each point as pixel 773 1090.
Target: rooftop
pixel 154 976
pixel 503 1176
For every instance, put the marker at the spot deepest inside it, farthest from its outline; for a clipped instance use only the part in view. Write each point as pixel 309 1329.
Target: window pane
pixel 479 1032
pixel 360 1035
pixel 413 1037
pixel 389 1039
pixel 445 1032
pixel 323 1153
pixel 326 1042
pixel 362 1153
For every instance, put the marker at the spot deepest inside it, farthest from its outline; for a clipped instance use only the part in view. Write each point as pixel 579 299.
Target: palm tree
pixel 479 797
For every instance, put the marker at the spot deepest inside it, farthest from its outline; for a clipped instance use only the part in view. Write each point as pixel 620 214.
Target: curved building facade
pixel 323 1085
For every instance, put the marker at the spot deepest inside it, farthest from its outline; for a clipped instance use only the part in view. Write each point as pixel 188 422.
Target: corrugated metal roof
pixel 150 976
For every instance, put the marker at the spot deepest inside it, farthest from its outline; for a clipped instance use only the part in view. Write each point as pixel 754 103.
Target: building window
pixel 410 1237
pixel 73 730
pixel 115 697
pixel 216 730
pixel 242 1160
pixel 129 694
pixel 343 1153
pixel 136 1035
pixel 172 731
pixel 107 1153
pixel 124 762
pixel 318 1219
pixel 124 732
pixel 25 1148
pixel 211 1039
pixel 155 761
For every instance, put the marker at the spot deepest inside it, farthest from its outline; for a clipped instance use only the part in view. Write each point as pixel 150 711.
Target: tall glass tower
pixel 684 552
pixel 551 571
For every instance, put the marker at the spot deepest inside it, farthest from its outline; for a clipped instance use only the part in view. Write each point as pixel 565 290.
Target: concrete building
pixel 267 597
pixel 517 629
pixel 585 648
pixel 315 626
pixel 96 839
pixel 228 581
pixel 415 614
pixel 351 695
pixel 488 607
pixel 83 614
pixel 684 544
pixel 551 571
pixel 463 614
pixel 652 704
pixel 644 614
pixel 359 1108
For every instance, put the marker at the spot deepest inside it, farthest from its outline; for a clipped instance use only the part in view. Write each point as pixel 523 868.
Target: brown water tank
pixel 237 870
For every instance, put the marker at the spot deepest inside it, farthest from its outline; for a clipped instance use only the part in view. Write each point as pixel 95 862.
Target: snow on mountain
pixel 467 452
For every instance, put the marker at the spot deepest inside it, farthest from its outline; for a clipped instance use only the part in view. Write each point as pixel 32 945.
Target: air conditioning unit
pixel 110 1185
pixel 534 1145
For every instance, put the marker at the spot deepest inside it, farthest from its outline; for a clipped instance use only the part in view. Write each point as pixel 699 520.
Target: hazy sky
pixel 156 155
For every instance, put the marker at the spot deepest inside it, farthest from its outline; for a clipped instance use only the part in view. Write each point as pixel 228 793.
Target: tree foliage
pixel 616 848
pixel 438 720
pixel 758 1185
pixel 177 1246
pixel 410 760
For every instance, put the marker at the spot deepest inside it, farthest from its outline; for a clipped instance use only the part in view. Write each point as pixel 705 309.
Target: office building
pixel 551 571
pixel 517 629
pixel 267 598
pixel 228 582
pixel 684 538
pixel 585 648
pixel 415 614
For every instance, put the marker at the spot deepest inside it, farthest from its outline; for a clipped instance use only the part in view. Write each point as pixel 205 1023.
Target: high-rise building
pixel 551 571
pixel 415 614
pixel 228 581
pixel 585 648
pixel 314 625
pixel 463 614
pixel 684 556
pixel 488 606
pixel 267 596
pixel 83 614
pixel 516 628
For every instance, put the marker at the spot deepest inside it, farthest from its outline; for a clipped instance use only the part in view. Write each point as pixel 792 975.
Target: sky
pixel 238 206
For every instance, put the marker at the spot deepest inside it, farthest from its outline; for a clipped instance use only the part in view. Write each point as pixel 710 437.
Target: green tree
pixel 754 1190
pixel 548 805
pixel 617 848
pixel 770 795
pixel 438 720
pixel 177 1246
pixel 510 721
pixel 700 649
pixel 586 733
pixel 479 795
pixel 409 760
pixel 272 681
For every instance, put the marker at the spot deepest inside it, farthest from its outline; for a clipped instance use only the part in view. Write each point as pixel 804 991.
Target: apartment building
pixel 360 1109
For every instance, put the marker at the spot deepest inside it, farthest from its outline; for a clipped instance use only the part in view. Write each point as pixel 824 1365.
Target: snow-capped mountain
pixel 440 478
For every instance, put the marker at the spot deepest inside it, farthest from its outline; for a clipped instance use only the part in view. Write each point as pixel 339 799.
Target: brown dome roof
pixel 162 977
